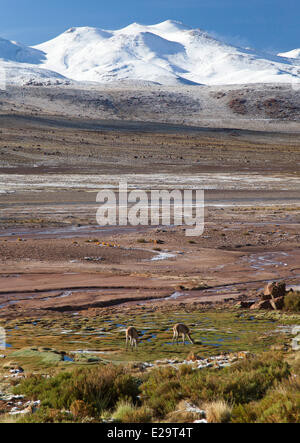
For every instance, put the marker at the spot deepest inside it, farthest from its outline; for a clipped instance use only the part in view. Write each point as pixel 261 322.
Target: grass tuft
pixel 218 412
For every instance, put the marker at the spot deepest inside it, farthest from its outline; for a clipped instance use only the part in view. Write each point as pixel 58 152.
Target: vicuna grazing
pixel 132 336
pixel 184 331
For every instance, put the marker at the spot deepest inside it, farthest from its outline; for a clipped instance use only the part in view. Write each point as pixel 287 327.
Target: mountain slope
pixel 20 64
pixel 295 53
pixel 27 74
pixel 16 52
pixel 167 53
pixel 89 54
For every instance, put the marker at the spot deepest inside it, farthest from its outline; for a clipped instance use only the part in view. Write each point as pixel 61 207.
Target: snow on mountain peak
pixel 295 53
pixel 168 53
pixel 172 26
pixel 166 27
pixel 13 51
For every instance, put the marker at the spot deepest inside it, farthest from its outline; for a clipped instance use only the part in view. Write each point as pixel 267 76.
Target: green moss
pixel 214 332
pixel 47 357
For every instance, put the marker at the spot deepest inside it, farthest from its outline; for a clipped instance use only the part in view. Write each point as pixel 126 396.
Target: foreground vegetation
pixel 109 384
pixel 264 389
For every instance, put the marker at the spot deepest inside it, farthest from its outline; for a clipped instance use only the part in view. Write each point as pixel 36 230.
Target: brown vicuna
pixel 132 337
pixel 184 331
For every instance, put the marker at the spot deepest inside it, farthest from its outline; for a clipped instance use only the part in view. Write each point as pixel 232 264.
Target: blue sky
pixel 271 25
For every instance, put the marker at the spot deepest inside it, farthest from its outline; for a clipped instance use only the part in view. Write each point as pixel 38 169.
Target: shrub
pixel 218 412
pixel 161 392
pixel 104 388
pixel 246 381
pixel 128 413
pixel 184 413
pixel 54 392
pixel 141 240
pixel 280 405
pixel 242 383
pixel 123 410
pixel 185 369
pixel 99 388
pixel 79 409
pixel 46 415
pixel 292 302
pixel 260 389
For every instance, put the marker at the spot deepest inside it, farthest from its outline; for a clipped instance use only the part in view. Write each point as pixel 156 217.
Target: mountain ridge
pixel 294 53
pixel 167 53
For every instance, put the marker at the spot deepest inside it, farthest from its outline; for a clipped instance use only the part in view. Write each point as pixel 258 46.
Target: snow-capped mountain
pixel 21 64
pixel 295 53
pixel 168 53
pixel 16 52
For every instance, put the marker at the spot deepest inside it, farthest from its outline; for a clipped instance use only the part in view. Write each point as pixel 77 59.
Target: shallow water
pixel 262 261
pixel 152 338
pixel 163 256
